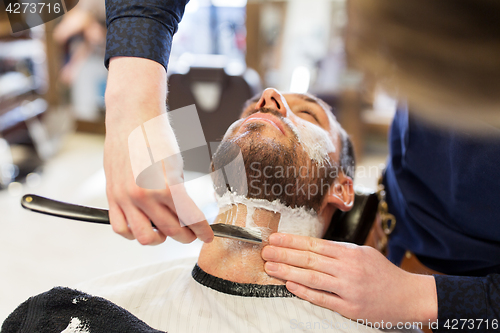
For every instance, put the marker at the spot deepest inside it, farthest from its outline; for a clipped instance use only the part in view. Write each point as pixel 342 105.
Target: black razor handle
pixel 63 209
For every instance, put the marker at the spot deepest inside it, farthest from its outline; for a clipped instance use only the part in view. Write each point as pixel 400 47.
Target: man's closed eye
pixel 310 114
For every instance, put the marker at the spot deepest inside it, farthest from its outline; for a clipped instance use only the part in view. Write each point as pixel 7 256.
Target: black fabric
pixel 142 28
pixel 238 289
pixel 468 298
pixel 52 312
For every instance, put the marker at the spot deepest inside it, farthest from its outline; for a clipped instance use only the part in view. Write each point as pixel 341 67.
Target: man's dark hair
pixel 347 160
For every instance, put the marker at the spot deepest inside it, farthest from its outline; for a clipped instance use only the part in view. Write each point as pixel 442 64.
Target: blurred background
pixel 52 83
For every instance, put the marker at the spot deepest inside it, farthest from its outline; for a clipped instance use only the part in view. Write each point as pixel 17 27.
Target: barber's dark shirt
pixel 444 188
pixel 142 28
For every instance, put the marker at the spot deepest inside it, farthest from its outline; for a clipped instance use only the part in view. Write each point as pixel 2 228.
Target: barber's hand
pixel 135 93
pixel 356 281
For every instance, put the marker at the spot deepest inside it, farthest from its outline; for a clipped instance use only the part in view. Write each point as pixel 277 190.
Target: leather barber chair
pixel 219 98
pixel 354 226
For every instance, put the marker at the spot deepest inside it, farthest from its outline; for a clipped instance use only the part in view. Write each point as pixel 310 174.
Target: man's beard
pixel 272 170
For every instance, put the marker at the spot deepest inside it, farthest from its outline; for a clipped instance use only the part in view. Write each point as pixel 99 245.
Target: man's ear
pixel 341 193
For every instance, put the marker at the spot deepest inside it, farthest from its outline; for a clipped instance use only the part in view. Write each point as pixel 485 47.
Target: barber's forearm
pixel 136 90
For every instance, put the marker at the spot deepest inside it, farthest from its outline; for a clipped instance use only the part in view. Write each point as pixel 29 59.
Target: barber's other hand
pixel 135 93
pixel 356 281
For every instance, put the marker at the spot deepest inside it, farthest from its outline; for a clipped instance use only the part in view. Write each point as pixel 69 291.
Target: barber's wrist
pixel 423 298
pixel 136 90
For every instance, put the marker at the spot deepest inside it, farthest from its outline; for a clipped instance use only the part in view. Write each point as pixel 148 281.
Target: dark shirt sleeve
pixel 471 298
pixel 142 28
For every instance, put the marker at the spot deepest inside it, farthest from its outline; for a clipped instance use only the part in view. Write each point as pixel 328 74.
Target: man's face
pixel 290 147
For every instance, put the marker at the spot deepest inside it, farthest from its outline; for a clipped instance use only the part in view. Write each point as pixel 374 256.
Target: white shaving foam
pixel 76 326
pixel 313 139
pixel 298 221
pixel 250 223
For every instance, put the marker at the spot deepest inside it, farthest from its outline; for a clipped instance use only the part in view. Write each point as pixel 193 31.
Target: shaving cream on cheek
pixel 314 140
pixel 297 221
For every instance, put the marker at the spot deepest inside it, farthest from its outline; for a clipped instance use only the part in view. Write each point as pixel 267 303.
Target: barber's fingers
pixel 322 298
pixel 118 221
pixel 303 259
pixel 203 231
pixel 141 227
pixel 191 217
pixel 166 221
pixel 305 277
pixel 316 245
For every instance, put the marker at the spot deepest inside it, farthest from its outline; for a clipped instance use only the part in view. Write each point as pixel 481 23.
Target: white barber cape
pixel 174 297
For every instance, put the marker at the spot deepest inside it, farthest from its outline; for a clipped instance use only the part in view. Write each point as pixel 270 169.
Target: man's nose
pixel 272 99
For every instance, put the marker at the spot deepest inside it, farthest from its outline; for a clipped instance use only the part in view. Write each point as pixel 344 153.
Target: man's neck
pixel 238 261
